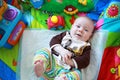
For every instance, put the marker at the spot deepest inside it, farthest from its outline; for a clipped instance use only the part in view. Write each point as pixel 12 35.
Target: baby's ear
pixel 94 30
pixel 92 34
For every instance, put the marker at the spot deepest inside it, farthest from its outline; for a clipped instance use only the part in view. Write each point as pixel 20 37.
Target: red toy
pixel 55 22
pixel 16 33
pixel 110 66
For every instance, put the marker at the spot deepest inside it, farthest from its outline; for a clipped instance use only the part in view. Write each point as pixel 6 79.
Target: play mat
pixel 28 25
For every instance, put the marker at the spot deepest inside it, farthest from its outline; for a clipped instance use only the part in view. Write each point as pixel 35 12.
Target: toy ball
pixel 54 19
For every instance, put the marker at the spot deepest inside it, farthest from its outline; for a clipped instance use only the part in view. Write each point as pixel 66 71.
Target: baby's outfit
pixel 72 45
pixel 53 64
pixel 52 69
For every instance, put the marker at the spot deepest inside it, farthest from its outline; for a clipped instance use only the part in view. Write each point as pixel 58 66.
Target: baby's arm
pixel 83 60
pixel 66 54
pixel 57 49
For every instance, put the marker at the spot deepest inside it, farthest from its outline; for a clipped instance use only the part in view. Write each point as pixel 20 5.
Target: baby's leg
pixel 41 61
pixel 61 77
pixel 72 75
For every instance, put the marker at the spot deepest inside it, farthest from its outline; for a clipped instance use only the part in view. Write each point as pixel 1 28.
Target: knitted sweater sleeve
pixel 84 59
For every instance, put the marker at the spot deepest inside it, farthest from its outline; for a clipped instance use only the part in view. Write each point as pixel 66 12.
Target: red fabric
pixel 110 60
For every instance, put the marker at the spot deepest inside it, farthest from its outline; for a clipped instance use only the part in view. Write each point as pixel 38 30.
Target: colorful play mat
pixel 58 15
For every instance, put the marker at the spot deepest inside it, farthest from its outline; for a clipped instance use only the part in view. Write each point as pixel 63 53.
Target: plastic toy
pixel 37 3
pixel 11 27
pixel 3 7
pixel 13 3
pixel 16 33
pixel 55 22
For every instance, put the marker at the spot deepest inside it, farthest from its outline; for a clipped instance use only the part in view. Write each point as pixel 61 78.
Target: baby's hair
pixel 88 19
pixel 84 17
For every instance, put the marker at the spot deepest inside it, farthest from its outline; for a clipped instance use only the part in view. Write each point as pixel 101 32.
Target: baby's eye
pixel 78 26
pixel 86 30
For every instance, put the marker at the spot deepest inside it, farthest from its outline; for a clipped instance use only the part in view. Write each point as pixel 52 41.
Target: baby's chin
pixel 77 38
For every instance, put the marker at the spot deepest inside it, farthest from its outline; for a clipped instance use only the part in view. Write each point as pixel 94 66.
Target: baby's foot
pixel 39 68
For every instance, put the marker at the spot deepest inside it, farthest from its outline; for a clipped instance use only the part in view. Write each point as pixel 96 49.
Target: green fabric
pixel 113 39
pixel 10 56
pixel 39 19
pixel 57 6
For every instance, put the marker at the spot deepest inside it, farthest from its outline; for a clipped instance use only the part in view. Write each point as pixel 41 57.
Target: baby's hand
pixel 70 62
pixel 66 54
pixel 66 57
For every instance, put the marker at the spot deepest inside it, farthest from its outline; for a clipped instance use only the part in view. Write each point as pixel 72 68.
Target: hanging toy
pixel 83 2
pixel 37 3
pixel 55 22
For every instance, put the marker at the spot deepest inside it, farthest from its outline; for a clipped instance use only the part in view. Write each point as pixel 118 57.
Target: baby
pixel 70 52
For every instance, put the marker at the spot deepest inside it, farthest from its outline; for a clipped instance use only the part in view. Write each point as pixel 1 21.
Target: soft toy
pixel 110 16
pixel 110 22
pixel 99 7
pixel 70 7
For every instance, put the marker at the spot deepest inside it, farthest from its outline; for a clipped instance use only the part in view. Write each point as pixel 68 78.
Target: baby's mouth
pixel 78 35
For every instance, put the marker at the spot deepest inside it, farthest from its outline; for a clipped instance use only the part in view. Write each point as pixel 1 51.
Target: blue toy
pixel 37 3
pixel 9 21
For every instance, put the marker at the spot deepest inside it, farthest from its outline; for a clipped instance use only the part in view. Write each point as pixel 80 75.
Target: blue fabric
pixel 6 73
pixel 111 21
pixel 98 9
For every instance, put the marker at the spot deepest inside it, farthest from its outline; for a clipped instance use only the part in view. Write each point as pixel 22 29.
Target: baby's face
pixel 82 29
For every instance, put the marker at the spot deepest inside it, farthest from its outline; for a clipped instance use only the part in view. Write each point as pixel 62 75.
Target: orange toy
pixel 3 9
pixel 16 33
